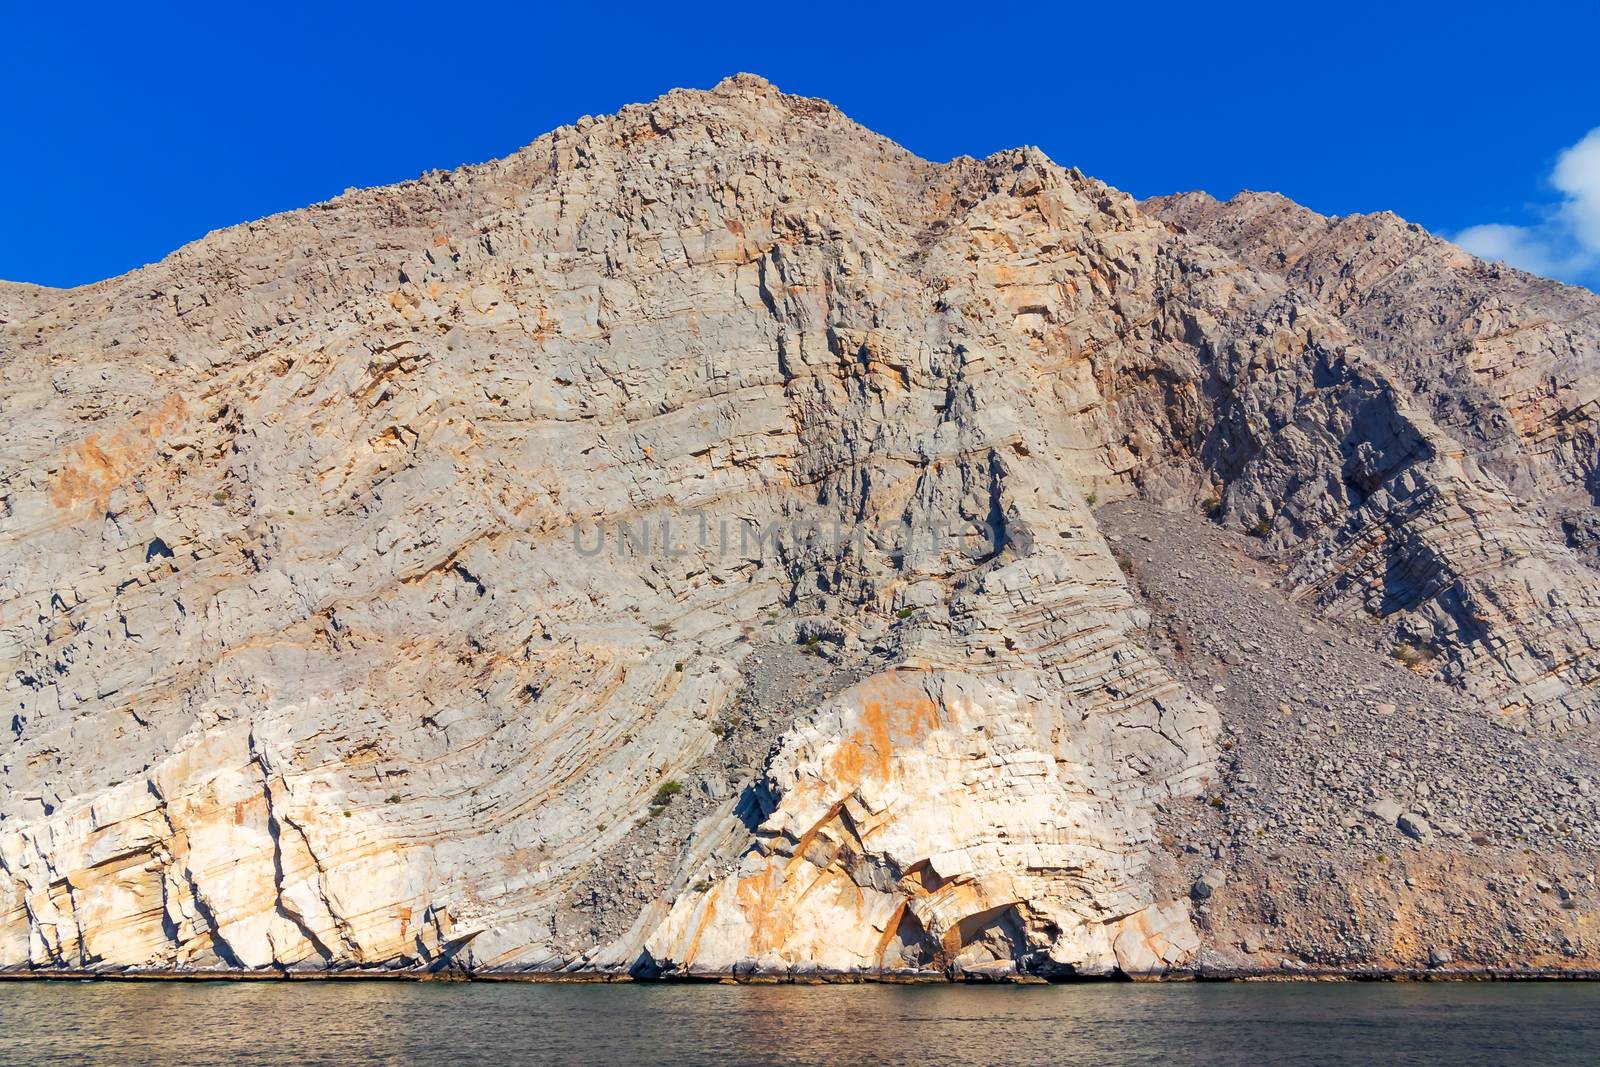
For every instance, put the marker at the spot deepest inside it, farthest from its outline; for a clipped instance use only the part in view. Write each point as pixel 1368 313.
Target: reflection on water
pixel 398 1022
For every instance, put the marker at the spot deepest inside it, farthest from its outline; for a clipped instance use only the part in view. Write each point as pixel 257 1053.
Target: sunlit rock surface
pixel 370 569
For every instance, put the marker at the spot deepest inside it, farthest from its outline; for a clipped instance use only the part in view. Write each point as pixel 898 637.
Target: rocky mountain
pixel 713 541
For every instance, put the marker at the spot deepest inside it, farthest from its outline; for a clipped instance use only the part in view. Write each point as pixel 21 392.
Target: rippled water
pixel 394 1022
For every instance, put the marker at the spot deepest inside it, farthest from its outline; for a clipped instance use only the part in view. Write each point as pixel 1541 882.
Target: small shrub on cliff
pixel 669 789
pixel 1412 655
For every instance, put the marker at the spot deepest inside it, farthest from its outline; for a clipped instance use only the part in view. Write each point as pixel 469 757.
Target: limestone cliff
pixel 386 584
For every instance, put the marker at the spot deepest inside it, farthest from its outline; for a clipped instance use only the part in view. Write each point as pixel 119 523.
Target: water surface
pixel 341 1023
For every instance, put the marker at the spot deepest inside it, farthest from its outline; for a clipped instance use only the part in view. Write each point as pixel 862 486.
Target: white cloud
pixel 1566 243
pixel 1521 246
pixel 1577 175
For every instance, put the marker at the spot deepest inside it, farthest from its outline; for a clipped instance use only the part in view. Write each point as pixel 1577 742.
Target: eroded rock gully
pixel 374 571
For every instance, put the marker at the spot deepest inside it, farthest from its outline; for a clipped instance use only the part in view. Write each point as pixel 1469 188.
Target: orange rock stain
pixel 95 467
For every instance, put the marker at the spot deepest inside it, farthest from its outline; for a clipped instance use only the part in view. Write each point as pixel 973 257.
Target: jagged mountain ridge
pixel 1514 382
pixel 313 670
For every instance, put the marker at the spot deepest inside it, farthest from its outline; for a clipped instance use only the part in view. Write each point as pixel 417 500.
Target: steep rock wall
pixel 370 569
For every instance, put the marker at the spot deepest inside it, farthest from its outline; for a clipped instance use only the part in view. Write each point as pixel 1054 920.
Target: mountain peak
pixel 745 83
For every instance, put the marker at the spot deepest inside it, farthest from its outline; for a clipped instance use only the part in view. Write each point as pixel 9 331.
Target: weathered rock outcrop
pixel 373 570
pixel 1505 362
pixel 1464 520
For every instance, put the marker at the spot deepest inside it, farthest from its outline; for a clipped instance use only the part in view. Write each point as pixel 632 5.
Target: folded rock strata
pixel 372 570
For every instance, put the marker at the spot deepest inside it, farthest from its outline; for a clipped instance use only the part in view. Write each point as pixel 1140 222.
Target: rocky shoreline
pixel 1442 974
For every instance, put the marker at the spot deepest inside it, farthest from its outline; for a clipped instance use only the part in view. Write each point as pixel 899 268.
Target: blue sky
pixel 130 129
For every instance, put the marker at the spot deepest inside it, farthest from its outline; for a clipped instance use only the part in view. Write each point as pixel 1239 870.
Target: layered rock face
pixel 1492 564
pixel 376 575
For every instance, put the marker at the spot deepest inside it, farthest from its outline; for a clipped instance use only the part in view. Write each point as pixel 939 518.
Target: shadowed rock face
pixel 1505 362
pixel 372 570
pixel 1470 543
